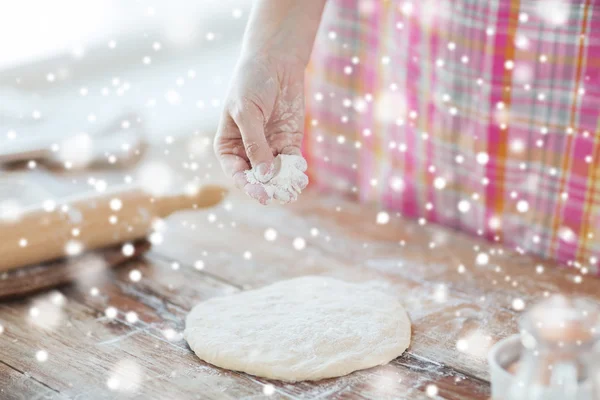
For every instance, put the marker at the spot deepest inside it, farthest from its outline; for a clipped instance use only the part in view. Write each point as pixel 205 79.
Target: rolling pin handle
pixel 207 196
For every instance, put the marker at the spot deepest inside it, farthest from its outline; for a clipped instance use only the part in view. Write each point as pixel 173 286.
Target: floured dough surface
pixel 306 328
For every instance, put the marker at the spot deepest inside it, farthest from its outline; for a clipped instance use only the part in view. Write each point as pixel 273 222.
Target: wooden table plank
pixel 16 385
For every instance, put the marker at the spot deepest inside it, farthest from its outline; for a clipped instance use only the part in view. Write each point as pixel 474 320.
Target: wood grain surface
pixel 117 337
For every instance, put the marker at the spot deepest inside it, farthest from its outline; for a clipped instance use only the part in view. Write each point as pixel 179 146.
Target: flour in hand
pixel 286 180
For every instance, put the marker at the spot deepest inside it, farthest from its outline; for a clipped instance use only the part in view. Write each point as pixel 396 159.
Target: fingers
pixel 250 120
pixel 236 166
pixel 255 190
pixel 300 183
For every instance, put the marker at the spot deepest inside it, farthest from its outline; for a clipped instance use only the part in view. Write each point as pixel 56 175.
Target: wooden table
pixel 452 301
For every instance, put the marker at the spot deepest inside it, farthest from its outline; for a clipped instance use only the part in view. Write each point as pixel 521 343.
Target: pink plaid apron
pixel 483 116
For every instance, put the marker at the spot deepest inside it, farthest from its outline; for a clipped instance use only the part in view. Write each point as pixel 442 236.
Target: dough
pixel 306 328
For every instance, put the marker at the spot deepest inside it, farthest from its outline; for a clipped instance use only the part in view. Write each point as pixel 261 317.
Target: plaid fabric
pixel 479 115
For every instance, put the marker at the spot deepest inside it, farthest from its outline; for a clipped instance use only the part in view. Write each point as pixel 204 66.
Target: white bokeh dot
pixel 135 275
pixel 111 312
pixel 116 204
pixel 567 234
pixel 397 184
pixel 439 183
pixel 268 389
pixel 464 206
pixel 539 269
pixel 131 317
pixel 482 259
pixel 41 355
pixel 112 383
pixel 299 243
pixel 482 158
pixel 270 234
pixel 128 249
pixel 170 334
pixel 155 238
pixel 49 205
pixel 100 185
pixel 522 206
pixel 518 304
pixel 73 248
pixel 494 223
pixel 431 390
pixel 383 218
pixel 462 345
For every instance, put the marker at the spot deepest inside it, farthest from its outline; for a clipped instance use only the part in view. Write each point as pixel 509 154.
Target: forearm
pixel 285 28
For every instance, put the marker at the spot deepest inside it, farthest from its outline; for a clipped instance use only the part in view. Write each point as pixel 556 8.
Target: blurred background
pixel 71 67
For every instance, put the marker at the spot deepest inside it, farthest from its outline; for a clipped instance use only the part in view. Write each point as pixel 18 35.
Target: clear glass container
pixel 559 359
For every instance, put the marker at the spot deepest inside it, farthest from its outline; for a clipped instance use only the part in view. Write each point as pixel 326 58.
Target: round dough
pixel 307 328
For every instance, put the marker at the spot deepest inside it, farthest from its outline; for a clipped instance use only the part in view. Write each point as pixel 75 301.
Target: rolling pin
pixel 35 278
pixel 90 222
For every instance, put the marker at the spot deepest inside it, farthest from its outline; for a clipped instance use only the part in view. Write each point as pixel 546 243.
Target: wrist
pixel 251 54
pixel 282 29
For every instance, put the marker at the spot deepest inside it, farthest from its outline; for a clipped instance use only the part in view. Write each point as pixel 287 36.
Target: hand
pixel 263 117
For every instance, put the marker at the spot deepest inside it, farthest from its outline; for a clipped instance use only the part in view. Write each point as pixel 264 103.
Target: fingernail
pixel 264 172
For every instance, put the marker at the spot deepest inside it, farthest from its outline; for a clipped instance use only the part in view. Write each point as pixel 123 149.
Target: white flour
pixel 288 178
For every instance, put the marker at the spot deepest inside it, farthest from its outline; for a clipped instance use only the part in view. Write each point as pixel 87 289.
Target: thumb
pixel 250 121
